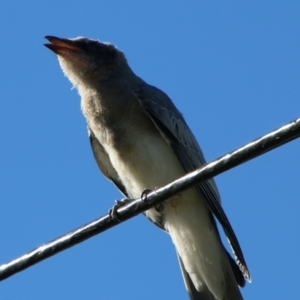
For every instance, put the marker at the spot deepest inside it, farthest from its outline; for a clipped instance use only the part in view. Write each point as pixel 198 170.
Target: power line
pixel 253 149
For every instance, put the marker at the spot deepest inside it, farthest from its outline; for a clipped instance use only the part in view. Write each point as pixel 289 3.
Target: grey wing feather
pixel 176 132
pixel 104 164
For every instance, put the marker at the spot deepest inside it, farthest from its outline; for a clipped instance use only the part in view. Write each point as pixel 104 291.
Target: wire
pixel 258 147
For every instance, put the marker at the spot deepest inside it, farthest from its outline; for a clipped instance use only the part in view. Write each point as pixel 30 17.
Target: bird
pixel 140 141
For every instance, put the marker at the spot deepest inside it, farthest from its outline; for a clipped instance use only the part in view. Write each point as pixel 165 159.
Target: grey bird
pixel 140 140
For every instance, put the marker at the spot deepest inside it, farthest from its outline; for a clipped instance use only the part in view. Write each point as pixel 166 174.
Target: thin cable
pixel 258 147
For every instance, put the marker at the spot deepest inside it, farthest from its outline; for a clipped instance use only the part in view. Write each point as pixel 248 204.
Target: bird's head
pixel 84 60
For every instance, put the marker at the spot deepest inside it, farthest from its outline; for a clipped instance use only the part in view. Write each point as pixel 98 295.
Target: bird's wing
pixel 104 164
pixel 176 132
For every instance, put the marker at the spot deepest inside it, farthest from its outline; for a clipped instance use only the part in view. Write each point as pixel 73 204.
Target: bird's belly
pixel 151 163
pixel 148 162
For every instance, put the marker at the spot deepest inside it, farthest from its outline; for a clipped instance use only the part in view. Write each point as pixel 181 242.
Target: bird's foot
pixel 113 211
pixel 145 194
pixel 159 207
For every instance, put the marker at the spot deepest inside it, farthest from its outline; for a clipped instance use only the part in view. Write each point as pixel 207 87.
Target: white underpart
pixel 152 163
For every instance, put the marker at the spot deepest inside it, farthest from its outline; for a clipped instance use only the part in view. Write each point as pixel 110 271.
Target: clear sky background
pixel 233 69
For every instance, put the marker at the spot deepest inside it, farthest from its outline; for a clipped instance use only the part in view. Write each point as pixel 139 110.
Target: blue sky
pixel 233 71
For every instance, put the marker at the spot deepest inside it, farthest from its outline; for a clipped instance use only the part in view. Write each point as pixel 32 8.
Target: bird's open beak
pixel 61 46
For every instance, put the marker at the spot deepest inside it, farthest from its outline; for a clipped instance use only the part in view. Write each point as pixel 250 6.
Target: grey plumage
pixel 135 127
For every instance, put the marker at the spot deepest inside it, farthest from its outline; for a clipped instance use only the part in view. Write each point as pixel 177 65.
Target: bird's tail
pixel 204 293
